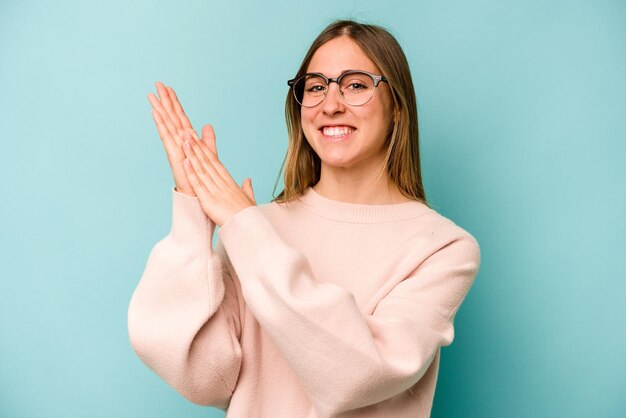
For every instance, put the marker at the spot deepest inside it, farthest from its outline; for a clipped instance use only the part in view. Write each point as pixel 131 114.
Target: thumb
pixel 247 189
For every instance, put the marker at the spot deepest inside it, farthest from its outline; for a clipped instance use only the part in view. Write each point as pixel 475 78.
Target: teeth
pixel 337 131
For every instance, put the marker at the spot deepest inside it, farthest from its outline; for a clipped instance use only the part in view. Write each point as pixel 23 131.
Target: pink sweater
pixel 315 308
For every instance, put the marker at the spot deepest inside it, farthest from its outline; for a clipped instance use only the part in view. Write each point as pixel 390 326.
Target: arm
pixel 184 315
pixel 345 359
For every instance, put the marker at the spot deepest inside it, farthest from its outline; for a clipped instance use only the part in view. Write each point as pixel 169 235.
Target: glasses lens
pixel 357 88
pixel 310 90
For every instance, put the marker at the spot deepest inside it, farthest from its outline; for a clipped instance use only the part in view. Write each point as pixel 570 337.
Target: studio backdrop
pixel 522 129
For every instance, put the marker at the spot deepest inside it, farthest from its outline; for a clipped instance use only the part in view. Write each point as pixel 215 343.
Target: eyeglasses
pixel 356 87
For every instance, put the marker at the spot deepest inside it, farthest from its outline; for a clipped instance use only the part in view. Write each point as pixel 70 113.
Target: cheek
pixel 306 119
pixel 379 120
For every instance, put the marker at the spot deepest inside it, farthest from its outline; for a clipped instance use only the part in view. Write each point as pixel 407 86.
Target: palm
pixel 171 123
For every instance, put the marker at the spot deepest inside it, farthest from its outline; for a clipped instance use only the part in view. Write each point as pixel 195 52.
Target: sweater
pixel 313 308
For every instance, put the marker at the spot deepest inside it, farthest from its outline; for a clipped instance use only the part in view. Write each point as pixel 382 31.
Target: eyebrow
pixel 340 74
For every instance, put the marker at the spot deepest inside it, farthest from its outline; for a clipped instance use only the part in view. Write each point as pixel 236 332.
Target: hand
pixel 171 123
pixel 220 197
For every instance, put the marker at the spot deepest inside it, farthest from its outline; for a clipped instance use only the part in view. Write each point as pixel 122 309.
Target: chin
pixel 337 162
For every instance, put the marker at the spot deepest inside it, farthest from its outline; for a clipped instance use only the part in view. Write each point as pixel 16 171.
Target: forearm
pixel 183 316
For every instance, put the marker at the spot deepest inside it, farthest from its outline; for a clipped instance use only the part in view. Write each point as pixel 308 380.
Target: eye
pixel 355 84
pixel 315 88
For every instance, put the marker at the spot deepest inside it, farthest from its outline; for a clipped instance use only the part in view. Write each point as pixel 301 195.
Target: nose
pixel 333 103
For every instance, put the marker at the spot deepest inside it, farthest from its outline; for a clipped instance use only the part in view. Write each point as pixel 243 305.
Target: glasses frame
pixel 376 78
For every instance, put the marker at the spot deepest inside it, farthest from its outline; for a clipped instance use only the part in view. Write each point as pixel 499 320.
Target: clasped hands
pixel 194 162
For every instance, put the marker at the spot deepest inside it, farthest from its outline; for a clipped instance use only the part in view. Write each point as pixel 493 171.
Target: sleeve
pixel 184 315
pixel 345 359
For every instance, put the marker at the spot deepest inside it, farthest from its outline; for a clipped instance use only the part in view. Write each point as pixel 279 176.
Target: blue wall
pixel 523 122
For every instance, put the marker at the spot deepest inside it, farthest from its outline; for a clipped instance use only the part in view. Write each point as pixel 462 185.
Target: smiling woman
pixel 348 129
pixel 386 169
pixel 334 299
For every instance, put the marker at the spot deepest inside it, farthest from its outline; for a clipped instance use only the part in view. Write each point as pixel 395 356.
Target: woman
pixel 334 299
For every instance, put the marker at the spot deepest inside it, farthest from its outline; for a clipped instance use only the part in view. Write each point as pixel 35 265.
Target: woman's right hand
pixel 171 123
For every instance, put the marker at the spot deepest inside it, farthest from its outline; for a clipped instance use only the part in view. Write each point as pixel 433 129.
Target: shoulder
pixel 447 226
pixel 452 238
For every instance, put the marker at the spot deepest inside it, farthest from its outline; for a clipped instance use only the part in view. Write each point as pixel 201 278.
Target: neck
pixel 357 187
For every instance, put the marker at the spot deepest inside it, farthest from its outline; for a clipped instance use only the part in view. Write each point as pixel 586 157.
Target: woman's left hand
pixel 220 196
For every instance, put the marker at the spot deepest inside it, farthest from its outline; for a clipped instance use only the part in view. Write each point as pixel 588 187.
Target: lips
pixel 337 131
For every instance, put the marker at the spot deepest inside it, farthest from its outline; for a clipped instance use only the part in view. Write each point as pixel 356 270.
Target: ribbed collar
pixel 360 213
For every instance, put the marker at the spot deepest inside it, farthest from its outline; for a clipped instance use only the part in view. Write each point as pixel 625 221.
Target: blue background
pixel 523 120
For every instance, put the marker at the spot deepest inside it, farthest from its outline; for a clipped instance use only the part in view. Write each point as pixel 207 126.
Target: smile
pixel 337 132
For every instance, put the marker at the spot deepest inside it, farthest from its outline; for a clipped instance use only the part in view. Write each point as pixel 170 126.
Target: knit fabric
pixel 312 308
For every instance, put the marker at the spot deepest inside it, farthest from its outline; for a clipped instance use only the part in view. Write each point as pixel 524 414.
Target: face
pixel 344 136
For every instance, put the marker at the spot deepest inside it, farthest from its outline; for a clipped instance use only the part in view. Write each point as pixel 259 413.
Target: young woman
pixel 333 300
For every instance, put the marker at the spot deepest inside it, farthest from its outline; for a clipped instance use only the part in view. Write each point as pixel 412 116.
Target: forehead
pixel 338 55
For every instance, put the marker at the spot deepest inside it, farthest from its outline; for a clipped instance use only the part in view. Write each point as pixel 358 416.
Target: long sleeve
pixel 184 315
pixel 344 358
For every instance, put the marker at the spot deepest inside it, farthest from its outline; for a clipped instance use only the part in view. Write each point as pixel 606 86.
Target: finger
pixel 167 104
pixel 208 138
pixel 201 144
pixel 211 154
pixel 208 135
pixel 220 176
pixel 196 184
pixel 195 146
pixel 179 109
pixel 247 189
pixel 213 164
pixel 171 147
pixel 156 105
pixel 204 169
pixel 198 178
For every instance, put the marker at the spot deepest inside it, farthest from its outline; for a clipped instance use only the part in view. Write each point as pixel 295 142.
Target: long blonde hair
pixel 402 162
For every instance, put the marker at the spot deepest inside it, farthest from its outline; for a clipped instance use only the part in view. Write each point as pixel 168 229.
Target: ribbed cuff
pixel 189 222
